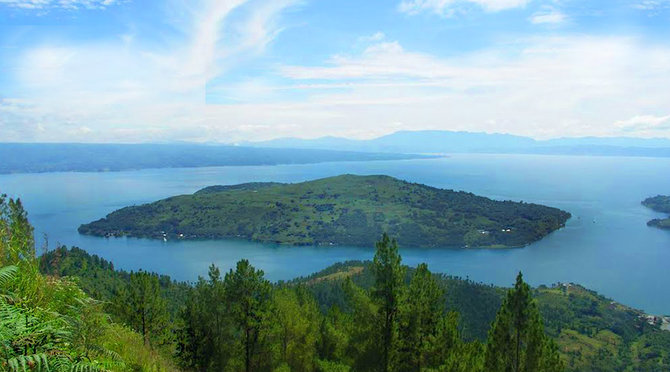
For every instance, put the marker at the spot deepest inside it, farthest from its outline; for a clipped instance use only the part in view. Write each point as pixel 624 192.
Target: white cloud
pixel 645 123
pixel 377 36
pixel 448 7
pixel 119 91
pixel 122 91
pixel 548 17
pixel 542 87
pixel 652 4
pixel 66 4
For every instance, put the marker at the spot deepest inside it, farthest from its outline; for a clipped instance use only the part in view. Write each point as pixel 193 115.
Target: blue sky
pixel 229 71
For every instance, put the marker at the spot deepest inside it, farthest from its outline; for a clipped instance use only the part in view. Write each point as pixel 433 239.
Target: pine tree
pixel 365 336
pixel 517 342
pixel 143 307
pixel 248 296
pixel 419 321
pixel 296 316
pixel 205 335
pixel 387 293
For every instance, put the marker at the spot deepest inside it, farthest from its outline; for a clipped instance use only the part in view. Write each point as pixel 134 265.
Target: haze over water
pixel 606 246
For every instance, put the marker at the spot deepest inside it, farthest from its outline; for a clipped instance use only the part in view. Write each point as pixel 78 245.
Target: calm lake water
pixel 606 246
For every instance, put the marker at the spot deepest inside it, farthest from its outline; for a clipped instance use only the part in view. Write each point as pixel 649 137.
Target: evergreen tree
pixel 420 321
pixel 296 317
pixel 142 306
pixel 387 294
pixel 205 335
pixel 517 342
pixel 248 296
pixel 365 336
pixel 334 333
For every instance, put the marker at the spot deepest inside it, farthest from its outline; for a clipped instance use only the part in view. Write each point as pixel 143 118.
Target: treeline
pixel 593 332
pixel 239 321
pixel 50 324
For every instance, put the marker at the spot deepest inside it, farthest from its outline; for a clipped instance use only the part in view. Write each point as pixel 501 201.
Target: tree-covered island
pixel 659 203
pixel 341 210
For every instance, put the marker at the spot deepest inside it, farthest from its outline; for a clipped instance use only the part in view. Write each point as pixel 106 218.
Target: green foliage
pixel 248 296
pixel 230 324
pixel 297 320
pixel 46 324
pixel 517 341
pixel 204 335
pixel 351 210
pixel 100 280
pixel 422 326
pixel 388 292
pixel 141 306
pixel 659 203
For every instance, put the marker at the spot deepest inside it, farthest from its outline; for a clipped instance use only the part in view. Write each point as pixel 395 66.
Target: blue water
pixel 606 246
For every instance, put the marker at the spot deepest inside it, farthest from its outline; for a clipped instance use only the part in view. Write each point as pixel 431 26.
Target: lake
pixel 606 246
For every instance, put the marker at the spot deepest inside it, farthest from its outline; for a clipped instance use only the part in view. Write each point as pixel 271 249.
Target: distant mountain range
pixel 445 142
pixel 77 157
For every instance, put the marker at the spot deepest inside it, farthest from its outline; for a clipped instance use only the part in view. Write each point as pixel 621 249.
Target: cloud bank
pixel 121 90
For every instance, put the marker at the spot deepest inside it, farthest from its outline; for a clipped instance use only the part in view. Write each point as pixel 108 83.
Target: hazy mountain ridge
pixel 74 157
pixel 432 141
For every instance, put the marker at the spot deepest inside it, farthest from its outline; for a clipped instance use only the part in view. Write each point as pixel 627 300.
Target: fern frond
pixel 7 273
pixel 84 366
pixel 23 363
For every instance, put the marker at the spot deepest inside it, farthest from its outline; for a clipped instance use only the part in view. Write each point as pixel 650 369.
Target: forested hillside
pixel 593 333
pixel 48 323
pixel 344 210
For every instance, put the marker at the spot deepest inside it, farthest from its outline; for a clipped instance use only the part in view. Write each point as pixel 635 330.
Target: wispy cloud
pixel 448 7
pixel 65 4
pixel 651 4
pixel 552 86
pixel 127 87
pixel 377 36
pixel 119 88
pixel 551 16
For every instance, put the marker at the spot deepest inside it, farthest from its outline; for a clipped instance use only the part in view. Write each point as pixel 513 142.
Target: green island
pixel 659 203
pixel 341 210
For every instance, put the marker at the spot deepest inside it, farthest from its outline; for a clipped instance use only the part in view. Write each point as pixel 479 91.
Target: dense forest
pixel 659 203
pixel 344 210
pixel 355 316
pixel 593 333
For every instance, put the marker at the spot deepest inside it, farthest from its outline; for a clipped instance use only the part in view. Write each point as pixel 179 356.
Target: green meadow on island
pixel 343 210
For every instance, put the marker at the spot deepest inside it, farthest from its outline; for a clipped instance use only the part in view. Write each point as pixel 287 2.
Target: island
pixel 659 203
pixel 342 210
